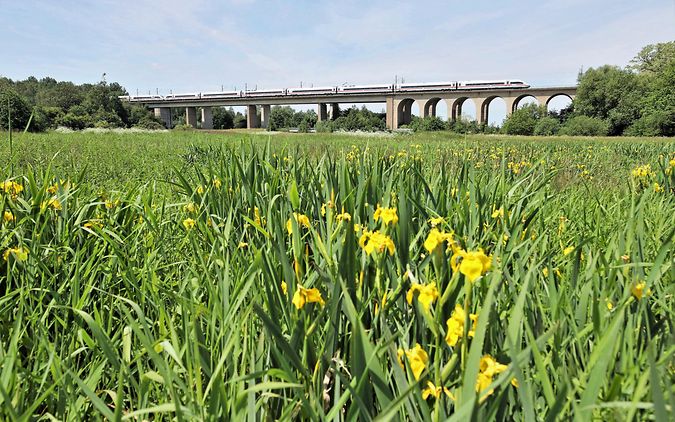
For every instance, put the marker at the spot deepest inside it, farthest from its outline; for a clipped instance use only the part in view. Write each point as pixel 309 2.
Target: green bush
pixel 523 120
pixel 464 126
pixel 547 126
pixel 428 124
pixel 149 124
pixel 324 126
pixel 584 126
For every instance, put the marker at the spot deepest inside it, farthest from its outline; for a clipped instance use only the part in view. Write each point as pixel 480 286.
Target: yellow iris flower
pixel 8 217
pixel 432 390
pixel 376 242
pixel 427 294
pixel 488 368
pixel 189 223
pixel 638 290
pixel 303 295
pixel 455 326
pixel 20 253
pixel 472 264
pixel 436 239
pixel 388 215
pixel 301 219
pixel 417 358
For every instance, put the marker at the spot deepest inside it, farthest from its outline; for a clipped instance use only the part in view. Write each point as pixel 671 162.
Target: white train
pixel 321 90
pixel 335 90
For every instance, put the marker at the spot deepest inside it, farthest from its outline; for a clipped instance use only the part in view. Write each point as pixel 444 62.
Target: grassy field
pixel 219 276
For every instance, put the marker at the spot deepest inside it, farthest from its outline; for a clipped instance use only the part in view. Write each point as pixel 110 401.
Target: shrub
pixel 547 126
pixel 324 126
pixel 523 120
pixel 428 124
pixel 149 124
pixel 653 124
pixel 464 126
pixel 584 126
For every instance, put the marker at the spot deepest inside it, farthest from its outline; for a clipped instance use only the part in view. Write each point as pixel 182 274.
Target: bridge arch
pixel 485 104
pixel 457 106
pixel 518 102
pixel 404 111
pixel 559 101
pixel 428 108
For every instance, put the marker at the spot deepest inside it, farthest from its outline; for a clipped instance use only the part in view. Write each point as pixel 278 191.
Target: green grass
pixel 123 310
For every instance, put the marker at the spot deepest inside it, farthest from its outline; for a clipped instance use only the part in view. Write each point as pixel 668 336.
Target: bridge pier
pixel 390 118
pixel 510 105
pixel 207 118
pixel 482 108
pixel 164 114
pixel 399 112
pixel 265 111
pixel 252 120
pixel 322 112
pixel 334 111
pixel 543 101
pixel 427 108
pixel 191 116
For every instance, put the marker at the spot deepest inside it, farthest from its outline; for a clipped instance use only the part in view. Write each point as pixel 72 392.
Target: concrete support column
pixel 322 112
pixel 481 110
pixel 252 121
pixel 265 111
pixel 391 114
pixel 455 107
pixel 164 114
pixel 427 108
pixel 207 118
pixel 510 104
pixel 191 116
pixel 334 111
pixel 542 100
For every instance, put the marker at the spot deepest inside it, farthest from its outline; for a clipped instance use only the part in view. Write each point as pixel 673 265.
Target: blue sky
pixel 198 45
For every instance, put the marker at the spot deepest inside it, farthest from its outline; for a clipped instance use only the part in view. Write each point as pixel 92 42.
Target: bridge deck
pixel 356 98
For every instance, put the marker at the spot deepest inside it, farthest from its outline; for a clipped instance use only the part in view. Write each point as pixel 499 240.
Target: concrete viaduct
pixel 398 104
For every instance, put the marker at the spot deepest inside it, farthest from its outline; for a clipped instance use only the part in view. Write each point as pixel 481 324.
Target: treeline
pixel 638 100
pixel 42 104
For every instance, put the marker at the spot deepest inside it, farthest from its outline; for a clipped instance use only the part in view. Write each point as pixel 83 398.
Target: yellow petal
pixel 472 267
pixel 298 299
pixel 314 296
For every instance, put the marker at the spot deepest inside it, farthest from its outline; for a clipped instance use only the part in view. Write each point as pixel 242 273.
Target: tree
pixel 658 116
pixel 62 94
pixel 223 118
pixel 612 94
pixel 282 118
pixel 653 58
pixel 240 121
pixel 523 120
pixel 12 103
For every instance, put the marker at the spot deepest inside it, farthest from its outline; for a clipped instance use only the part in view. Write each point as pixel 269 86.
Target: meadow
pixel 224 276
